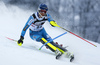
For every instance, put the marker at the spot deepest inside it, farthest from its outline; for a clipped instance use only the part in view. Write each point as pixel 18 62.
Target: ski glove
pixel 53 23
pixel 20 41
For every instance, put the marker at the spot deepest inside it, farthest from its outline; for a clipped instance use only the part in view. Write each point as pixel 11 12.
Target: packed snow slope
pixel 12 20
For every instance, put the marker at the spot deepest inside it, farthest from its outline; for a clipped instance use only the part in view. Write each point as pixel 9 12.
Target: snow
pixel 12 20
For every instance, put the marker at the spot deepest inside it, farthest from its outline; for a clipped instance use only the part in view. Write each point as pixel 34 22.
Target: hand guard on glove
pixel 20 41
pixel 53 23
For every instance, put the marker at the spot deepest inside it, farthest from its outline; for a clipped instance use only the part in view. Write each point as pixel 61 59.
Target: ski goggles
pixel 43 11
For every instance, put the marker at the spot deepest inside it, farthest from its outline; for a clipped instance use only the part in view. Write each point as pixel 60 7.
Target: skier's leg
pixel 37 36
pixel 49 45
pixel 60 48
pixel 52 46
pixel 34 35
pixel 45 35
pixel 48 38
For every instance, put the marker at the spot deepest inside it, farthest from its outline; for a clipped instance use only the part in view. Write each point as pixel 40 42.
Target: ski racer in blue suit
pixel 37 31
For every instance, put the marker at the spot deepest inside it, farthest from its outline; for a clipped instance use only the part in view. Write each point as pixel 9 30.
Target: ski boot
pixel 58 54
pixel 71 58
pixel 69 55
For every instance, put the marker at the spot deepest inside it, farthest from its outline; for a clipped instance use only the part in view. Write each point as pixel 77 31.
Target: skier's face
pixel 43 12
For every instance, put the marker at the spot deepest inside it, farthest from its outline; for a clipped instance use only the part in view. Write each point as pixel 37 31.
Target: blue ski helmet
pixel 43 7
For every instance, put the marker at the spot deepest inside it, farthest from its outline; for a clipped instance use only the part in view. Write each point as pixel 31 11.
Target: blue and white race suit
pixel 36 29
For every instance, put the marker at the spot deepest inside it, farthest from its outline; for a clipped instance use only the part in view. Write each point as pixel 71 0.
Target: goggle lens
pixel 44 11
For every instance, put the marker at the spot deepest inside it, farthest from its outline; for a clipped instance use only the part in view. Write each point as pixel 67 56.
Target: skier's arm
pixel 29 22
pixel 52 22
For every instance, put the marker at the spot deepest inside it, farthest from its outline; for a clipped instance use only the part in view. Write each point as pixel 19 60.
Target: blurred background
pixel 81 17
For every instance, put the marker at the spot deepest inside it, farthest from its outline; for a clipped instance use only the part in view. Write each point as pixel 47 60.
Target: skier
pixel 38 33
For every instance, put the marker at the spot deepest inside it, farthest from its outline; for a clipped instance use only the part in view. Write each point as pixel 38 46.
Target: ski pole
pixel 52 40
pixel 77 36
pixel 11 39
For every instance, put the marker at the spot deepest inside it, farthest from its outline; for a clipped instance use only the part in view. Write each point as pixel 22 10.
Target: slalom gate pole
pixel 52 40
pixel 77 36
pixel 11 39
